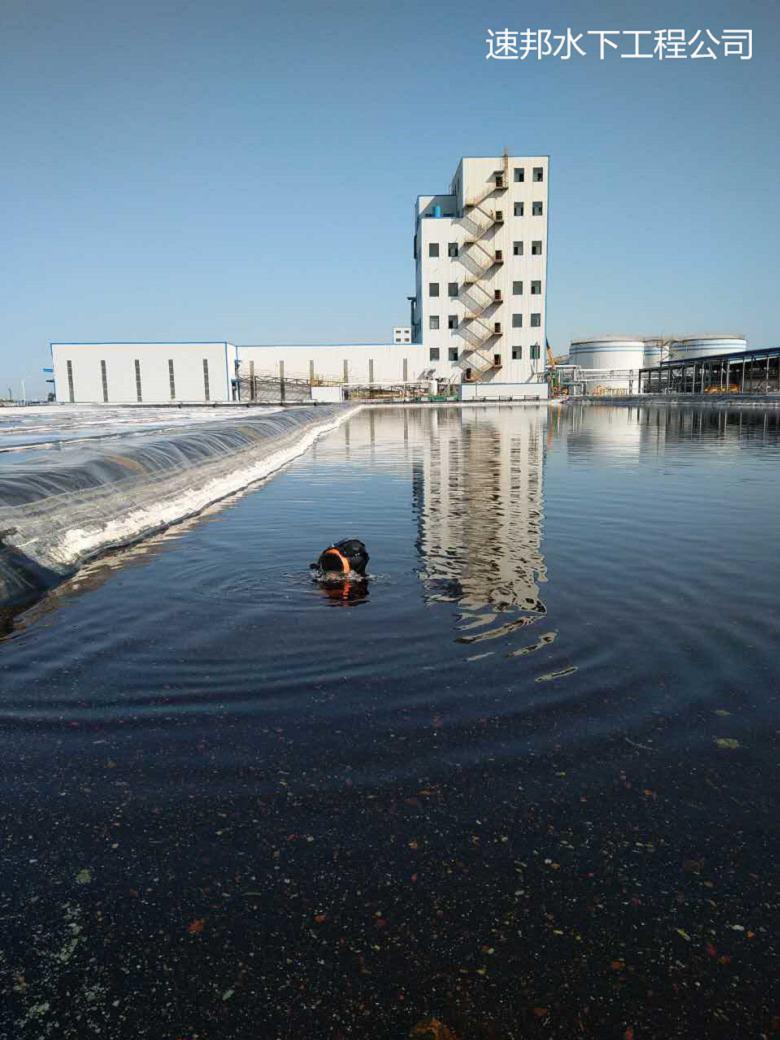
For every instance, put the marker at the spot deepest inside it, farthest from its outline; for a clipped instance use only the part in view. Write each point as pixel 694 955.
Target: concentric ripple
pixel 520 784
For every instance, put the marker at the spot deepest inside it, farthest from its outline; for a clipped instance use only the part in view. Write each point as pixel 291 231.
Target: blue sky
pixel 180 170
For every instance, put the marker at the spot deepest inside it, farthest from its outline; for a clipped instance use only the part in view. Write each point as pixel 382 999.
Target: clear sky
pixel 242 170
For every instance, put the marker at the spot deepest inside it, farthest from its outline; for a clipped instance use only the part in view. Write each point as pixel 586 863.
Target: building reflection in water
pixel 478 496
pixel 623 433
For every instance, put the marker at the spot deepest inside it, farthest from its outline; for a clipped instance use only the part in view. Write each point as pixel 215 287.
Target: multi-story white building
pixel 478 314
pixel 481 255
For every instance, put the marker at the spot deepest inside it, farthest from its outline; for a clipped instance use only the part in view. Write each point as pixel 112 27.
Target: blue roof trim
pixel 138 343
pixel 587 348
pixel 312 346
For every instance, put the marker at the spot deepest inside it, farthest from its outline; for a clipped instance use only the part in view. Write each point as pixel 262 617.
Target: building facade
pixel 481 263
pixel 142 373
pixel 478 313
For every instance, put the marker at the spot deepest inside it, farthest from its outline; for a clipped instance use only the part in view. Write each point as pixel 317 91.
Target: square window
pixel 453 353
pixel 452 288
pixel 537 209
pixel 517 353
pixel 517 288
pixel 206 388
pixel 519 209
pixel 433 288
pixel 536 248
pixel 519 174
pixel 452 249
pixel 536 288
pixel 535 351
pixel 434 354
pixel 538 174
pixel 452 321
pixel 433 249
pixel 517 248
pixel 517 321
pixel 433 321
pixel 536 320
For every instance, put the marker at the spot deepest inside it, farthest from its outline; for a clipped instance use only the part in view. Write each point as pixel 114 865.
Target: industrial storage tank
pixel 608 364
pixel 656 351
pixel 690 347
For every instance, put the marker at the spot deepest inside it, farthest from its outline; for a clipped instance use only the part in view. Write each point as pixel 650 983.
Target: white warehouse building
pixel 478 314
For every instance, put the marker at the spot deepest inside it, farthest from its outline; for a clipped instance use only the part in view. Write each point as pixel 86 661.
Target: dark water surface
pixel 525 788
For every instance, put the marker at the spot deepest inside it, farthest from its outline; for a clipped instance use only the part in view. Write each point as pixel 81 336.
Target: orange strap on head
pixel 343 561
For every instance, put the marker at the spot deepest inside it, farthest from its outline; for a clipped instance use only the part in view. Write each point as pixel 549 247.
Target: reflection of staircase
pixel 479 328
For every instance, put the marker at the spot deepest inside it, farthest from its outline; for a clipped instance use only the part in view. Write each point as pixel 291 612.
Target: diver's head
pixel 347 558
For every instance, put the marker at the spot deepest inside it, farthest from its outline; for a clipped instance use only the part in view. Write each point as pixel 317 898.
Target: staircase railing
pixel 479 258
pixel 478 360
pixel 475 337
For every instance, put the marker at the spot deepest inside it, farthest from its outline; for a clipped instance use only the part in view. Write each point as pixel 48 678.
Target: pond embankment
pixel 60 508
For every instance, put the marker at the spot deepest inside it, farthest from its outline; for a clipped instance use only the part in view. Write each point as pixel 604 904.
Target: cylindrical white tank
pixel 609 364
pixel 690 347
pixel 656 351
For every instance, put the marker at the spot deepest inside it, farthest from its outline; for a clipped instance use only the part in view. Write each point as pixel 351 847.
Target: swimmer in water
pixel 343 561
pixel 341 570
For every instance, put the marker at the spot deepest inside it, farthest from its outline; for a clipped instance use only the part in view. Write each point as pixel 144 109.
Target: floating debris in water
pixel 728 743
pixel 432 1029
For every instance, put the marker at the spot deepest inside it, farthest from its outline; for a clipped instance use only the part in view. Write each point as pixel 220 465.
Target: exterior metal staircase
pixel 479 257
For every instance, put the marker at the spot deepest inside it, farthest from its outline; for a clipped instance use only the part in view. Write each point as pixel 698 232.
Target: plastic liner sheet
pixel 58 512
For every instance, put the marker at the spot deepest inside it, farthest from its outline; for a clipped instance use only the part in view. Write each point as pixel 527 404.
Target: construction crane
pixel 552 363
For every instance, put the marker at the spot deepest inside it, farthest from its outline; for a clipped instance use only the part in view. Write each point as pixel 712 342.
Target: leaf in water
pixel 683 934
pixel 432 1029
pixel 727 743
pixel 196 927
pixel 84 876
pixel 556 675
